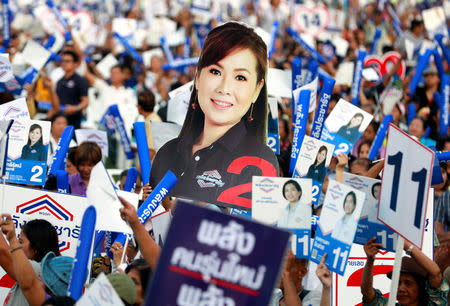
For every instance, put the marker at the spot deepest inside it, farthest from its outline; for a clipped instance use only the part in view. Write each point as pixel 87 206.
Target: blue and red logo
pixel 45 205
pixel 11 110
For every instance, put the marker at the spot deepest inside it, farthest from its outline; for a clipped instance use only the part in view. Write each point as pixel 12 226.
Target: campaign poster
pixel 344 126
pixel 368 225
pixel 99 137
pixel 26 161
pixel 313 161
pixel 273 137
pixel 285 203
pixel 337 225
pixel 213 258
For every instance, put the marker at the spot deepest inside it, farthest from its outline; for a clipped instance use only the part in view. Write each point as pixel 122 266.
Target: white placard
pixel 312 20
pixel 176 38
pixel 341 45
pixel 101 193
pixel 147 55
pixel 161 223
pixel 434 21
pixel 101 292
pixel 178 104
pixel 312 86
pixel 344 73
pixel 124 26
pixel 163 132
pixel 6 72
pixel 105 65
pixel 279 83
pixel 405 184
pixel 35 54
pixel 99 137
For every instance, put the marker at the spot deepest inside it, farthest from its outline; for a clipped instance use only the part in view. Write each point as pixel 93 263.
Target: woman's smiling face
pixel 226 89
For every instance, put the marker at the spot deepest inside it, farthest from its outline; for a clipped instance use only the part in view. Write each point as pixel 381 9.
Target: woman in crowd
pixel 222 143
pixel 87 155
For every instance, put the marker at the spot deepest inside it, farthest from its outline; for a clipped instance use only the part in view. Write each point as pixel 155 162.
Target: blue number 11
pixel 419 176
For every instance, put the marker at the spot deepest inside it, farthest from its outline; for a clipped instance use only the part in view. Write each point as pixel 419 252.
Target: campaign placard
pixel 344 126
pixel 368 225
pixel 285 203
pixel 99 137
pixel 5 125
pixel 405 184
pixel 26 161
pixel 337 225
pixel 208 253
pixel 161 223
pixel 313 161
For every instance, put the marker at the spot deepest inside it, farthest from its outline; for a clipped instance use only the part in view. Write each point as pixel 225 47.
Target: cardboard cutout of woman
pixel 222 143
pixel 34 149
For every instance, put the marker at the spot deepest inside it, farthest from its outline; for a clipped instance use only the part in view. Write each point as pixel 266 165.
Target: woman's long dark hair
pixel 356 115
pixel 32 128
pixel 322 148
pixel 42 236
pixel 219 43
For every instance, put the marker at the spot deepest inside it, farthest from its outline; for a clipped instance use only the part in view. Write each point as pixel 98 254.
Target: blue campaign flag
pixel 129 48
pixel 79 271
pixel 108 121
pixel 296 83
pixel 322 108
pixel 376 38
pixel 313 52
pixel 273 36
pixel 300 127
pixel 119 126
pixel 62 181
pixel 311 71
pixel 379 138
pixel 181 63
pixel 212 241
pixel 130 183
pixel 421 65
pixel 357 76
pixel 166 49
pixel 59 159
pixel 143 153
pixel 5 23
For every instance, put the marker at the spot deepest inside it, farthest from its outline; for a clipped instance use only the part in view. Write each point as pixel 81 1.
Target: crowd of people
pixel 226 120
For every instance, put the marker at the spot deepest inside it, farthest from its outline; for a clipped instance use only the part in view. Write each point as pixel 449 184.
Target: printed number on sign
pixel 315 191
pixel 271 142
pixel 342 148
pixel 313 20
pixel 418 176
pixel 233 195
pixel 295 241
pixel 384 240
pixel 338 255
pixel 37 170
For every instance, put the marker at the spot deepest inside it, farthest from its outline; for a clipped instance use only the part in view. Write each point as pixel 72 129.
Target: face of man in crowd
pixel 68 64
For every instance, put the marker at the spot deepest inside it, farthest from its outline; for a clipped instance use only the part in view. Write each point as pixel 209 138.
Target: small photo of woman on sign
pixel 34 149
pixel 296 214
pixel 317 170
pixel 345 227
pixel 350 131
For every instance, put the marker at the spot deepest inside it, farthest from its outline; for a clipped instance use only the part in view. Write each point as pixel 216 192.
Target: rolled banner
pixel 62 181
pixel 79 271
pixel 130 50
pixel 296 83
pixel 376 38
pixel 181 63
pixel 130 183
pixel 166 49
pixel 300 127
pixel 322 108
pixel 357 76
pixel 58 162
pixel 60 18
pixel 187 48
pixel 438 62
pixel 143 153
pixel 273 36
pixel 411 112
pixel 311 71
pixel 155 198
pixel 120 128
pixel 5 23
pixel 440 39
pixel 445 96
pixel 443 156
pixel 423 62
pixel 379 138
pixel 313 52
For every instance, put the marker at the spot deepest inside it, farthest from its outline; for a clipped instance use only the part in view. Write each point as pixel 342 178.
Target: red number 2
pixel 232 195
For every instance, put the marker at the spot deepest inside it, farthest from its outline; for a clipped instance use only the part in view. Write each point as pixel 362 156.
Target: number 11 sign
pixel 405 185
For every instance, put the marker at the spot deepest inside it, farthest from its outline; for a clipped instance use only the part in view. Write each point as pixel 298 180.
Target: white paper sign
pixel 161 223
pixel 279 83
pixel 344 73
pixel 313 97
pixel 101 193
pixel 101 292
pixel 163 132
pixel 124 26
pixel 6 72
pixel 99 137
pixel 405 184
pixel 35 54
pixel 178 104
pixel 105 65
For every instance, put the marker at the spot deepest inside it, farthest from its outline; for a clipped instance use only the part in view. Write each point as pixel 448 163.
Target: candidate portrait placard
pixel 207 252
pixel 337 225
pixel 313 161
pixel 368 225
pixel 344 126
pixel 27 152
pixel 285 203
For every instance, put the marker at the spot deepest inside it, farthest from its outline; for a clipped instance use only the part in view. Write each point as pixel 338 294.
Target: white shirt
pixel 298 217
pixel 344 231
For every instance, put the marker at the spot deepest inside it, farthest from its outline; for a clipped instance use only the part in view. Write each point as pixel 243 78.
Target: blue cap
pixel 56 272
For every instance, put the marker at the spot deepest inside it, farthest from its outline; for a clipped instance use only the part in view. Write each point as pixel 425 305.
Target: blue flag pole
pixel 143 153
pixel 322 107
pixel 79 271
pixel 423 62
pixel 379 138
pixel 358 76
pixel 130 50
